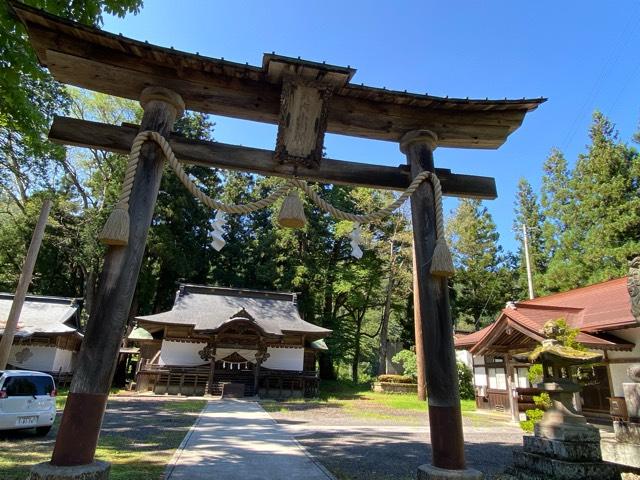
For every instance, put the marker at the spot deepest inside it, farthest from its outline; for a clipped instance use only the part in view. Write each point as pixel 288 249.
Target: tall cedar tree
pixel 528 212
pixel 482 283
pixel 593 212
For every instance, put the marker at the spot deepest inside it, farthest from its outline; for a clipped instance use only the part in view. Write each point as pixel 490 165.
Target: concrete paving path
pixel 237 439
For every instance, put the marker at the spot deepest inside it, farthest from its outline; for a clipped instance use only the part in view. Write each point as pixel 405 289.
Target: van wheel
pixel 43 431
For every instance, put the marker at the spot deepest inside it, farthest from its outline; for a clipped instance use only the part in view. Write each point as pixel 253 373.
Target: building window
pixel 497 378
pixel 521 377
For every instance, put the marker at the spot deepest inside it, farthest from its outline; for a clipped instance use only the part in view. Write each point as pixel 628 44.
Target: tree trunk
pixel 419 339
pixel 356 349
pixel 325 364
pixel 386 313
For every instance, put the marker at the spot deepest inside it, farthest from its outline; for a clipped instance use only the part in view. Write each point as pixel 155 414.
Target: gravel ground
pixel 378 455
pixel 363 441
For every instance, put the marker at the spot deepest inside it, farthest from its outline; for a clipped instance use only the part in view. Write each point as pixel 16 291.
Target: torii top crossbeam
pixel 116 65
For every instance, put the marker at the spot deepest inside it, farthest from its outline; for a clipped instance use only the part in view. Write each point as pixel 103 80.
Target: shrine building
pixel 603 315
pixel 228 341
pixel 47 338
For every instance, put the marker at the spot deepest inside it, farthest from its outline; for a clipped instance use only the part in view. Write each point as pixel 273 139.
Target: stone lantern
pixel 564 445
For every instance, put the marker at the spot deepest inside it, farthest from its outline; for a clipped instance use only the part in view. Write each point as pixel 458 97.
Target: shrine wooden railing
pixel 180 380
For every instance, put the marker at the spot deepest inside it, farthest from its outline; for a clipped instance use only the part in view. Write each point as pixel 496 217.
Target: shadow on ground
pixel 385 455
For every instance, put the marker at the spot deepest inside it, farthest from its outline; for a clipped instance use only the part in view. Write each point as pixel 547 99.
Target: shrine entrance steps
pixel 238 440
pixel 244 378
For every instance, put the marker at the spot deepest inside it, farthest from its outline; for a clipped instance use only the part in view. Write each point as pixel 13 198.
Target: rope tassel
pixel 292 212
pixel 116 229
pixel 441 263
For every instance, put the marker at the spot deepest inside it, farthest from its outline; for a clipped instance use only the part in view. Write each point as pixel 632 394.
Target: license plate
pixel 27 421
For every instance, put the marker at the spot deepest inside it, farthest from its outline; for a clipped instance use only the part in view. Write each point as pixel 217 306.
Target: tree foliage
pixel 483 281
pixel 590 213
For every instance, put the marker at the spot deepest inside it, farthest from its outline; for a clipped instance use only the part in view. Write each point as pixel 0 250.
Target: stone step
pixel 549 467
pixel 570 451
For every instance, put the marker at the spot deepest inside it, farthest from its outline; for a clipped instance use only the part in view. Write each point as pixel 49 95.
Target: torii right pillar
pixel 434 328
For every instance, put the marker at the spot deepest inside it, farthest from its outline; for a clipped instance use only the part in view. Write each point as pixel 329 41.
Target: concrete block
pixel 627 431
pixel 95 471
pixel 622 453
pixel 429 472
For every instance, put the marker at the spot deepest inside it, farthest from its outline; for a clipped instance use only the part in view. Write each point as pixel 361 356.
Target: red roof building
pixel 602 313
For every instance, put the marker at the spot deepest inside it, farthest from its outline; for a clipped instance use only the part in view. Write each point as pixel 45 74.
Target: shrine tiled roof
pixel 596 311
pixel 42 315
pixel 211 308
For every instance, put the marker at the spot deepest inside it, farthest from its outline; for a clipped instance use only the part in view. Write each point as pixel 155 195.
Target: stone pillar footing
pixel 429 472
pixel 94 471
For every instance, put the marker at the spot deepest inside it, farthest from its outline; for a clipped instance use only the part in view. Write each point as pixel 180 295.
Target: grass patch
pixel 63 393
pixel 361 402
pixel 136 449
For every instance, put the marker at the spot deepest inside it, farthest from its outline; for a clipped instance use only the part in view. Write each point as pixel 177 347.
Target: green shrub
pixel 535 374
pixel 542 401
pixel 465 382
pixel 533 417
pixel 407 359
pixel 395 379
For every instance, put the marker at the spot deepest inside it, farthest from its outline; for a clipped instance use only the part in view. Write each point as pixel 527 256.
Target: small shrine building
pixel 47 338
pixel 228 341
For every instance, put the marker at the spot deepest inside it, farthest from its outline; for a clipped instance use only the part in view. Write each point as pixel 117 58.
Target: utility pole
pixel 525 240
pixel 23 285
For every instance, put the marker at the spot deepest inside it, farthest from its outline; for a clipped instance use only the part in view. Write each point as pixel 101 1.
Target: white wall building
pixel 47 337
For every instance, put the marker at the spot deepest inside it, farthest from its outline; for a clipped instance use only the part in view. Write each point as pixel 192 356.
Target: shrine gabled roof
pixel 595 310
pixel 211 308
pixel 90 58
pixel 42 315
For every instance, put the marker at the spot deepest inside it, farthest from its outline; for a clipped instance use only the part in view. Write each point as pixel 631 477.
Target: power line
pixel 625 36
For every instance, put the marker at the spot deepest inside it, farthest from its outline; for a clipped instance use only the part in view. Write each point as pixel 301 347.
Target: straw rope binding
pixel 116 229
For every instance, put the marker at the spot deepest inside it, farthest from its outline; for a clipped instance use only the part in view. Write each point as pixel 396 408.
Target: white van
pixel 27 400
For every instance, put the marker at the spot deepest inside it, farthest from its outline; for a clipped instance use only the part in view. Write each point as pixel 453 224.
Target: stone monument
pixel 624 448
pixel 564 446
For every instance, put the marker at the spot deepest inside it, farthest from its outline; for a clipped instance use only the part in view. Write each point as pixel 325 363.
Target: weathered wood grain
pixel 82 133
pixel 433 314
pixel 80 428
pixel 113 64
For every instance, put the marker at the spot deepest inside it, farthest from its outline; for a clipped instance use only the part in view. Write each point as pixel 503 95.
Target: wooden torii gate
pixel 305 99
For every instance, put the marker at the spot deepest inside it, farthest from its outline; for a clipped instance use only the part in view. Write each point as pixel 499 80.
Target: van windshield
pixel 27 386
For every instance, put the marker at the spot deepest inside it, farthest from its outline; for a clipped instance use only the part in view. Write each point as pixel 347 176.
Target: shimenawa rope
pixel 116 229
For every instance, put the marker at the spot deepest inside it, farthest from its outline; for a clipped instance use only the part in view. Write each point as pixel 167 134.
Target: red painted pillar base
pixel 79 430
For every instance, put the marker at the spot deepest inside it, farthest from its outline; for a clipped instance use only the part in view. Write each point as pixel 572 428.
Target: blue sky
pixel 582 55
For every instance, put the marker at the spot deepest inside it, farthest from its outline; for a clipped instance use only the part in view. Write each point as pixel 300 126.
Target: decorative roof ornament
pixel 242 314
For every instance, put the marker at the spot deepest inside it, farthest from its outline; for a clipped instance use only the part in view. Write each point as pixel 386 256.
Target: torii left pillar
pixel 73 454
